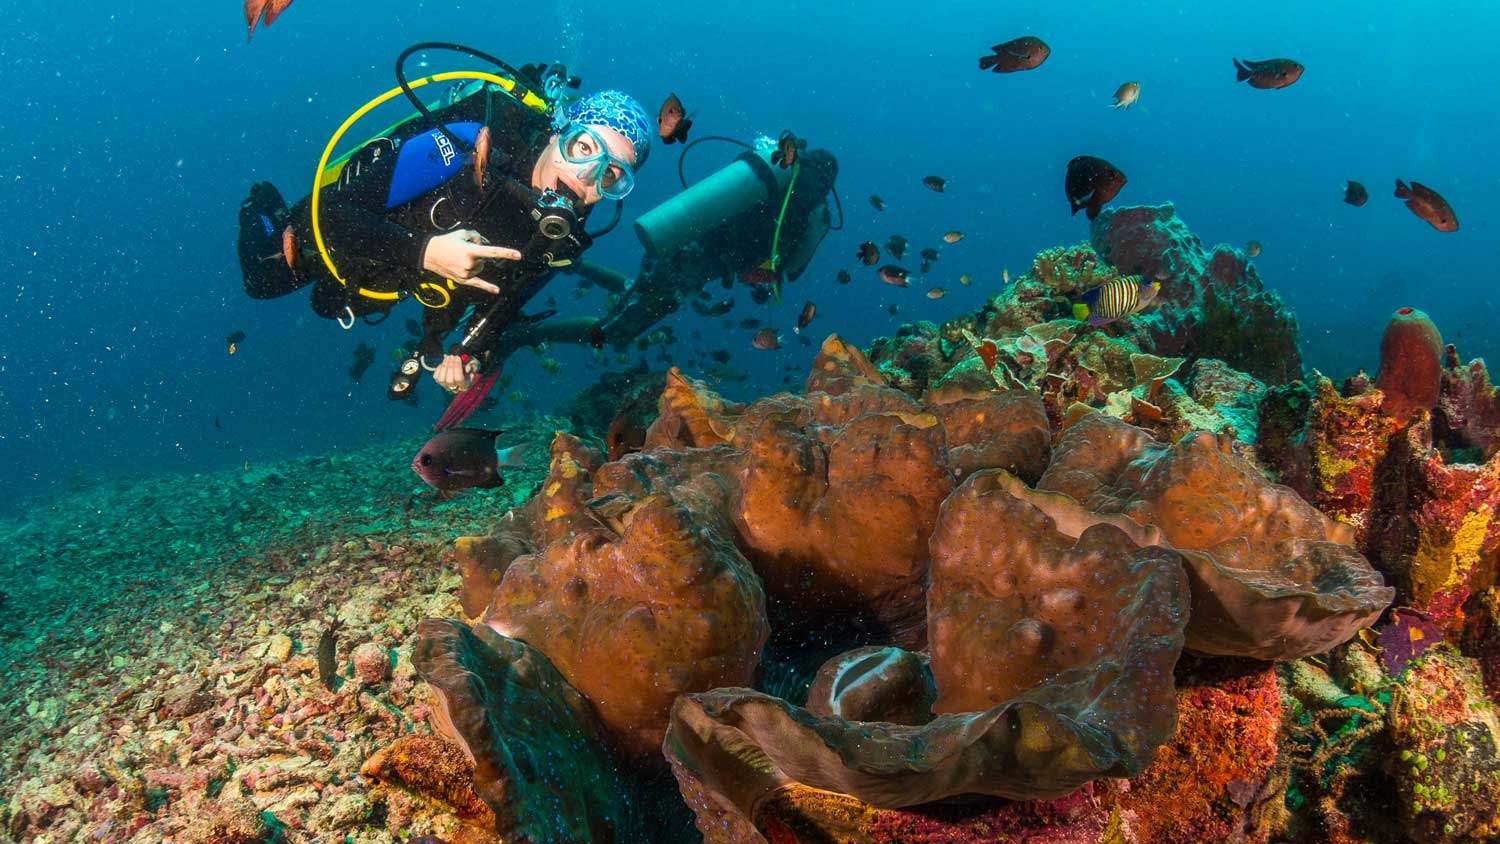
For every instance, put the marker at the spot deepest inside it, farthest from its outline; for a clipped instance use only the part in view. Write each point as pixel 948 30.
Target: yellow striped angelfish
pixel 1117 298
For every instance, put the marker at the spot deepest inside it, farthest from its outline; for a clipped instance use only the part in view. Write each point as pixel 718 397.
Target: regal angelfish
pixel 1117 298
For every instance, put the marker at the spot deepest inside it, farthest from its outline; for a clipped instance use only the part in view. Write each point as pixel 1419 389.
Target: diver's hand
pixel 460 255
pixel 453 374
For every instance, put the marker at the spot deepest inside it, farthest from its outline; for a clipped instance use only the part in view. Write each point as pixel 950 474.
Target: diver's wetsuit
pixel 380 249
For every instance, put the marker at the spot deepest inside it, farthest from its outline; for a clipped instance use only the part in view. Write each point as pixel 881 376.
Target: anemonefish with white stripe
pixel 1115 299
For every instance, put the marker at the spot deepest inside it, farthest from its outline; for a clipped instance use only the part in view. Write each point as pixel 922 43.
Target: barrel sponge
pixel 1411 364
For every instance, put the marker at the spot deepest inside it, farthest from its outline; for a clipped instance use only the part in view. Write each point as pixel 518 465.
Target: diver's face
pixel 553 169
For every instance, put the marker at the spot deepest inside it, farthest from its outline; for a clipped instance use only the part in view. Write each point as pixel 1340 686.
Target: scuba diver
pixel 476 206
pixel 750 220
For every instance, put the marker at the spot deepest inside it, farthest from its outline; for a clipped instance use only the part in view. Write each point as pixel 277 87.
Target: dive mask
pixel 612 177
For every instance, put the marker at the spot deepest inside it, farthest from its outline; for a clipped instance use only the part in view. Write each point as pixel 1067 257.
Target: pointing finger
pixel 486 251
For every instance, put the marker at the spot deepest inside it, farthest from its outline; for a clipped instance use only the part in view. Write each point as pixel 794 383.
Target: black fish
pixel 843 277
pixel 896 246
pixel 929 254
pixel 1270 73
pixel 1090 183
pixel 1355 193
pixel 234 339
pixel 877 203
pixel 461 458
pixel 1024 53
pixel 868 253
pixel 364 355
pixel 935 183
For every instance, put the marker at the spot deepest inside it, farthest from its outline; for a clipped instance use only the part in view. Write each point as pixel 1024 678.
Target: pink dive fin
pixel 465 403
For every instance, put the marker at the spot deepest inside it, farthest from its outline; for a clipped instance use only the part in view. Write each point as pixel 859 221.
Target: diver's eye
pixel 582 148
pixel 613 173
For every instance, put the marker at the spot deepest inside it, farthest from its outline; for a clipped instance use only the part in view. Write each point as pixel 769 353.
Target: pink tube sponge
pixel 1411 364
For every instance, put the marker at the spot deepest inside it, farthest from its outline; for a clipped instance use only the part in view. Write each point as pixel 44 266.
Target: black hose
pixel 682 157
pixel 515 75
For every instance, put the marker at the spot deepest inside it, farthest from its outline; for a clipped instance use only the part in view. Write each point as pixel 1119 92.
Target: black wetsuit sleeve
pixel 353 217
pixel 436 324
pixel 352 229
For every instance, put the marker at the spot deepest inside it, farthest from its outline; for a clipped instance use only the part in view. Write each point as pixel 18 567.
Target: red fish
pixel 787 147
pixel 264 12
pixel 481 155
pixel 1024 53
pixel 672 124
pixel 289 247
pixel 1427 204
pixel 809 311
pixel 868 254
pixel 1270 73
pixel 1091 182
pixel 766 339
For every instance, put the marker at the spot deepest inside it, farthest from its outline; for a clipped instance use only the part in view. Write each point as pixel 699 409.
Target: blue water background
pixel 131 133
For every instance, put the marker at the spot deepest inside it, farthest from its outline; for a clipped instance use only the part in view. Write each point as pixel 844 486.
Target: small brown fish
pixel 1427 204
pixel 1252 249
pixel 289 247
pixel 934 183
pixel 843 277
pixel 894 275
pixel 953 237
pixel 868 253
pixel 809 311
pixel 1024 53
pixel 966 279
pixel 1090 183
pixel 596 336
pixel 936 293
pixel 1005 276
pixel 787 147
pixel 766 339
pixel 672 123
pixel 877 203
pixel 1127 94
pixel 1269 73
pixel 896 246
pixel 263 12
pixel 1355 193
